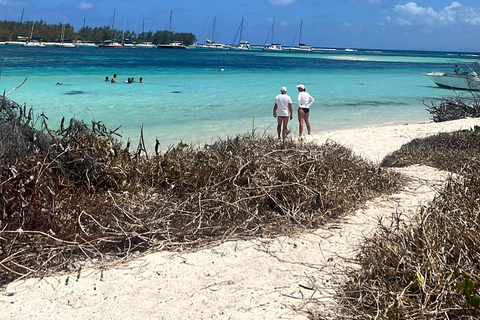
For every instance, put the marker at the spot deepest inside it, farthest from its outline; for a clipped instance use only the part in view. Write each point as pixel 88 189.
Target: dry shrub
pixel 87 197
pixel 454 152
pixel 429 270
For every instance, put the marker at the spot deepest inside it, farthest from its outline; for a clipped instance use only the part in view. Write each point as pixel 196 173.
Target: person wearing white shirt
pixel 282 110
pixel 305 100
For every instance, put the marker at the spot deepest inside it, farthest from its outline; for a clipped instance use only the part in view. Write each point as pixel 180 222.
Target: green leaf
pixel 473 301
pixel 456 271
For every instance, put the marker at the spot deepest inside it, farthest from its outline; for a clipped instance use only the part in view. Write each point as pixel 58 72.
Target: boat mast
pixel 273 27
pixel 123 29
pixel 113 23
pixel 213 31
pixel 300 35
pixel 270 32
pixel 62 36
pixel 19 25
pixel 33 25
pixel 241 31
pixel 170 27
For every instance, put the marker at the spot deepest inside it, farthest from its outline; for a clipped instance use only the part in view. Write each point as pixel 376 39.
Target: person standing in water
pixel 304 102
pixel 282 110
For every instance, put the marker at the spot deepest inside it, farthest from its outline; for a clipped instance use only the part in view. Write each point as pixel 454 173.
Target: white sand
pixel 259 279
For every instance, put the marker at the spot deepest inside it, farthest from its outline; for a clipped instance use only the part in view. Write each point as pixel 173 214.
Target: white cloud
pixel 282 2
pixel 412 14
pixel 347 24
pixel 403 22
pixel 85 5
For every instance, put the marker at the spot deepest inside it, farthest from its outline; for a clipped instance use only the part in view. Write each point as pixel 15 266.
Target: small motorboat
pixel 460 80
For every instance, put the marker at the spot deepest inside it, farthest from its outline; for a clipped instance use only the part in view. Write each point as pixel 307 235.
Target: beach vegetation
pixel 74 196
pixel 429 268
pixel 10 30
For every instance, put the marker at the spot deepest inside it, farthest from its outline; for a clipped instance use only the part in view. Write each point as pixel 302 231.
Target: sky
pixel 436 25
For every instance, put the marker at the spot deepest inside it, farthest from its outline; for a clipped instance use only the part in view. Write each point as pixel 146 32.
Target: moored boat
pixel 63 43
pixel 34 42
pixel 242 44
pixel 171 44
pixel 301 46
pixel 20 39
pixel 272 46
pixel 145 45
pixel 111 44
pixel 212 44
pixel 85 44
pixel 460 80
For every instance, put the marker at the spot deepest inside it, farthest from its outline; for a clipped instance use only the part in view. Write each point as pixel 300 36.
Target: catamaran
pixel 242 44
pixel 144 44
pixel 62 42
pixel 212 44
pixel 301 46
pixel 171 44
pixel 113 43
pixel 272 46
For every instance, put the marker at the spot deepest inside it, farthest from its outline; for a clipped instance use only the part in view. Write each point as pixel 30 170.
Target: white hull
pixel 273 47
pixel 85 44
pixel 14 43
pixel 65 45
pixel 111 44
pixel 451 80
pixel 172 45
pixel 145 46
pixel 213 45
pixel 302 48
pixel 34 44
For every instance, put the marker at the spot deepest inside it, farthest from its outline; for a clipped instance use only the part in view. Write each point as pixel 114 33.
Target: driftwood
pixel 453 109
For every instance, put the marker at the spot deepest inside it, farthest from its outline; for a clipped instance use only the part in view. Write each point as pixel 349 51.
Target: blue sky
pixel 374 24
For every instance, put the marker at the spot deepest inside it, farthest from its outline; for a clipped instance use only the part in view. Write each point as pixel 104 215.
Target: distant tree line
pixel 11 30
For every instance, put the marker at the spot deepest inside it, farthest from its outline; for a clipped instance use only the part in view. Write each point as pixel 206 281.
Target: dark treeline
pixel 10 30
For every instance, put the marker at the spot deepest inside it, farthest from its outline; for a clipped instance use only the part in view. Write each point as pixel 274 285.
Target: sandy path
pixel 257 279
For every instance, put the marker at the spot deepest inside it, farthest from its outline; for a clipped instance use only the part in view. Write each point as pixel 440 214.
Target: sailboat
pixel 145 44
pixel 81 43
pixel 242 44
pixel 20 39
pixel 62 42
pixel 34 42
pixel 272 46
pixel 301 46
pixel 171 44
pixel 112 43
pixel 212 44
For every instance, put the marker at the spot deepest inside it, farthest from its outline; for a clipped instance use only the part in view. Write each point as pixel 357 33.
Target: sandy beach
pixel 246 279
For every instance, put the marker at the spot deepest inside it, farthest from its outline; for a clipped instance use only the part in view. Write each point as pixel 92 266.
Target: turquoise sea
pixel 198 96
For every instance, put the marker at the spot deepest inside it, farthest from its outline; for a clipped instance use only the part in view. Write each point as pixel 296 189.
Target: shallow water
pixel 200 95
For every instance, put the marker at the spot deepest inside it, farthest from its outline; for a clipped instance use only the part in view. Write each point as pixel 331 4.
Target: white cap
pixel 301 86
pixel 283 89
